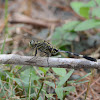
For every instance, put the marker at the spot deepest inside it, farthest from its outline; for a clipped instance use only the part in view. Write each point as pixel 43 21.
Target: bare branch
pixel 48 61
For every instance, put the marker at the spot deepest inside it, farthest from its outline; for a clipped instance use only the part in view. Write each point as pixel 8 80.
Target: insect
pixel 49 50
pixel 46 49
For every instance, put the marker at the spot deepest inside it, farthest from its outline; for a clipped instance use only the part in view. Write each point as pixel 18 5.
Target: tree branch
pixel 48 61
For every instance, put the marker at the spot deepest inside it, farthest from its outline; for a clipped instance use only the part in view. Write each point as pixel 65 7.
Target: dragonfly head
pixel 32 44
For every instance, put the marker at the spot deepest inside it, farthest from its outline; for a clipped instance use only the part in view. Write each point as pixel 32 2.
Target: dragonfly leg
pixel 36 51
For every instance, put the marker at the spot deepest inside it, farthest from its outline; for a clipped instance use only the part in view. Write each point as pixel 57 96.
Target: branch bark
pixel 48 61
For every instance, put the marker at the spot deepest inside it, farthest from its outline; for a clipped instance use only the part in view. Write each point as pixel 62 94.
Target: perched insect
pixel 46 49
pixel 49 50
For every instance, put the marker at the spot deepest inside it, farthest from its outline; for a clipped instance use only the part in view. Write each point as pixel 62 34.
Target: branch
pixel 48 61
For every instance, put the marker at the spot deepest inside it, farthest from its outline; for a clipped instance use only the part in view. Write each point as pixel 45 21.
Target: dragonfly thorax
pixel 44 47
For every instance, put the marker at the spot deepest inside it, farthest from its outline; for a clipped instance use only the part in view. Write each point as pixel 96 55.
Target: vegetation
pixel 53 83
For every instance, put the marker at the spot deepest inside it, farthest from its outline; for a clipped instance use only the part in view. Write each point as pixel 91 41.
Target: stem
pixel 6 25
pixel 6 16
pixel 30 84
pixel 40 90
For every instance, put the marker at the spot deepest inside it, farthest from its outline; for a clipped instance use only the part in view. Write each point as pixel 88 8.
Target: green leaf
pixel 57 36
pixel 70 82
pixel 69 88
pixel 63 38
pixel 44 70
pixel 18 81
pixel 70 36
pixel 65 33
pixel 82 82
pixel 70 26
pixel 82 8
pixel 65 78
pixel 98 2
pixel 50 84
pixel 76 82
pixel 96 12
pixel 25 76
pixel 83 77
pixel 59 92
pixel 40 98
pixel 50 96
pixel 59 71
pixel 84 11
pixel 91 4
pixel 76 6
pixel 88 24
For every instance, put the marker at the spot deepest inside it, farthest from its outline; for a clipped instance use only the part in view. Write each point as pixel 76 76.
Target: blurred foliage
pixel 65 35
pixel 68 33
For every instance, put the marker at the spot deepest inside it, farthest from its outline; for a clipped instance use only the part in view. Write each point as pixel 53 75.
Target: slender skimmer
pixel 49 50
pixel 46 49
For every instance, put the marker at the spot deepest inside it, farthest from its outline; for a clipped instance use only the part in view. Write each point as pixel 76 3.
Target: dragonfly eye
pixel 32 43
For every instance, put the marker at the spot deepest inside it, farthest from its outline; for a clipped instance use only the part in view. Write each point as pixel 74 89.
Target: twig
pixel 48 62
pixel 20 18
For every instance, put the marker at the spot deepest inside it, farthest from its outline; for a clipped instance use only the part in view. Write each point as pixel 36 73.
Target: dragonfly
pixel 46 48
